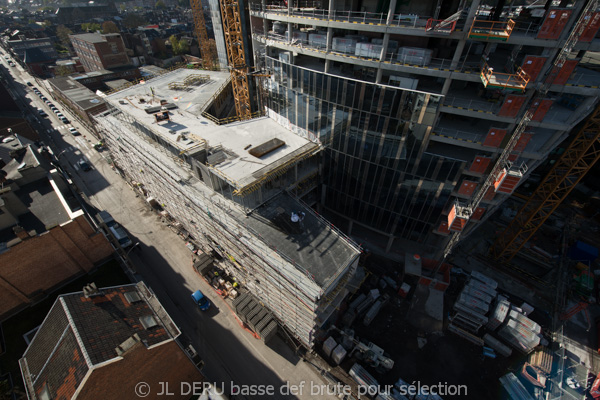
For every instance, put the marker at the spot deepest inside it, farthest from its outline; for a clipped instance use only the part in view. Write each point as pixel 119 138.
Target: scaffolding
pixel 286 288
pixel 190 80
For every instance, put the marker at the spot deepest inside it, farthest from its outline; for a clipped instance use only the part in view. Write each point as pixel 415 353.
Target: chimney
pixel 90 290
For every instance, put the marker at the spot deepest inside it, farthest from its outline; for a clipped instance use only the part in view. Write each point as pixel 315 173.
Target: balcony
pixel 491 30
pixel 498 80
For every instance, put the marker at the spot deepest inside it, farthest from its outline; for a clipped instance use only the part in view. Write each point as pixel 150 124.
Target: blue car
pixel 201 300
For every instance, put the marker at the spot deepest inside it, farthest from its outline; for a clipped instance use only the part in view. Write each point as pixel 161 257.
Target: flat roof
pixel 309 242
pixel 76 92
pixel 187 129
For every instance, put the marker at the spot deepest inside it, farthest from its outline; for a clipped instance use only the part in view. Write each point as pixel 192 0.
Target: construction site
pixel 397 188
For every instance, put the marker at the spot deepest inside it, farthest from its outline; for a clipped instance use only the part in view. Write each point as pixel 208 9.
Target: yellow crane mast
pixel 201 34
pixel 232 27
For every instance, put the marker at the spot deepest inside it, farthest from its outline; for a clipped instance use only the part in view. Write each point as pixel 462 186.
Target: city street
pixel 231 354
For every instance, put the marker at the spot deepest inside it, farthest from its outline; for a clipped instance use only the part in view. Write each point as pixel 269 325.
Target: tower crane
pixel 201 34
pixel 232 27
pixel 503 160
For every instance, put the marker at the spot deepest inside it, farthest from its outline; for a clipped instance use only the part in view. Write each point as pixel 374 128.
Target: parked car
pixel 201 300
pixel 84 165
pixel 64 119
pixel 42 112
pixel 29 83
pixel 74 132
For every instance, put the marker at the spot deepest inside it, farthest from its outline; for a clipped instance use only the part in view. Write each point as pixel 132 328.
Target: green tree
pixel 160 4
pixel 109 27
pixel 62 70
pixel 62 32
pixel 91 27
pixel 122 7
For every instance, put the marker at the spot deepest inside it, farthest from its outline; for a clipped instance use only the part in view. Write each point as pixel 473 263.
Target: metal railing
pixel 457 102
pixel 458 135
pixel 355 17
pixel 390 57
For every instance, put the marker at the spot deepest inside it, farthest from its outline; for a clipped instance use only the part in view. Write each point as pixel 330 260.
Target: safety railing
pixel 500 80
pixel 440 26
pixel 456 134
pixel 491 30
pixel 467 104
pixel 423 61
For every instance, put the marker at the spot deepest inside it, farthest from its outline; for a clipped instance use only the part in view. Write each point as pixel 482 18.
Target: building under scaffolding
pixel 234 189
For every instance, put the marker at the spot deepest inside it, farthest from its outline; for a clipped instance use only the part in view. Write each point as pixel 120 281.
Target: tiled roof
pixel 104 322
pixel 79 333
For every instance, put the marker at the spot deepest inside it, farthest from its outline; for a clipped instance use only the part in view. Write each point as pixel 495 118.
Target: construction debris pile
pixel 479 308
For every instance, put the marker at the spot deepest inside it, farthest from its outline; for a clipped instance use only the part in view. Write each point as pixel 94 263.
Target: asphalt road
pixel 231 355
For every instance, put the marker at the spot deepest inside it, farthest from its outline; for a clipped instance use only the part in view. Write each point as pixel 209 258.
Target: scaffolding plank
pixel 467 187
pixel 543 106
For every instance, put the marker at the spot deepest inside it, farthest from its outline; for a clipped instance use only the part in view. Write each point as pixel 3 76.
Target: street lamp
pixel 132 247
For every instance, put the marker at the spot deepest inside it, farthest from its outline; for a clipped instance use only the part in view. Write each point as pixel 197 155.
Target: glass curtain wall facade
pixel 375 169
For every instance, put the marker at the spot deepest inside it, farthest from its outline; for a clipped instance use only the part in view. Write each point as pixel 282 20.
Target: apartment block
pixel 100 51
pixel 238 191
pixel 414 102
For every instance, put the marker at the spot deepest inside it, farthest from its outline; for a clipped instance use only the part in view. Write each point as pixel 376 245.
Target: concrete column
pixel 289 10
pixel 331 9
pixel 329 39
pixel 290 35
pixel 391 10
pixel 461 43
pixel 350 223
pixel 386 41
pixel 327 66
pixel 446 86
pixel 390 242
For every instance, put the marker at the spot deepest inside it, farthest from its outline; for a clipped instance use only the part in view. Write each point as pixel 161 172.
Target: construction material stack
pixel 480 297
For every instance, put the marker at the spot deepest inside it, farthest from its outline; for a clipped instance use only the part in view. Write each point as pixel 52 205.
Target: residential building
pixel 101 343
pixel 84 12
pixel 98 51
pixel 20 43
pixel 45 240
pixel 413 111
pixel 81 100
pixel 234 191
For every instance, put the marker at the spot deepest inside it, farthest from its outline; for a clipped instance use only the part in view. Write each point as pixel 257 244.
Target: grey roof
pixel 90 37
pixel 76 92
pixel 310 243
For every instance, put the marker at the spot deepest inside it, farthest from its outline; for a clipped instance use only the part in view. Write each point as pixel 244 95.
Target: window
pixel 148 321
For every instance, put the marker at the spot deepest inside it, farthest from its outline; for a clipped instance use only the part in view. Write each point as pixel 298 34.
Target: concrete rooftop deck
pixel 188 129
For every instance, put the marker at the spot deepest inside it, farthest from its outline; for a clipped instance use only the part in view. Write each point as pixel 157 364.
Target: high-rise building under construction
pixel 415 101
pixel 385 117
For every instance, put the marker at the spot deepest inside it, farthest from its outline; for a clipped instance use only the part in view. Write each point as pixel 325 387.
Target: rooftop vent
pixel 132 297
pixel 127 344
pixel 148 321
